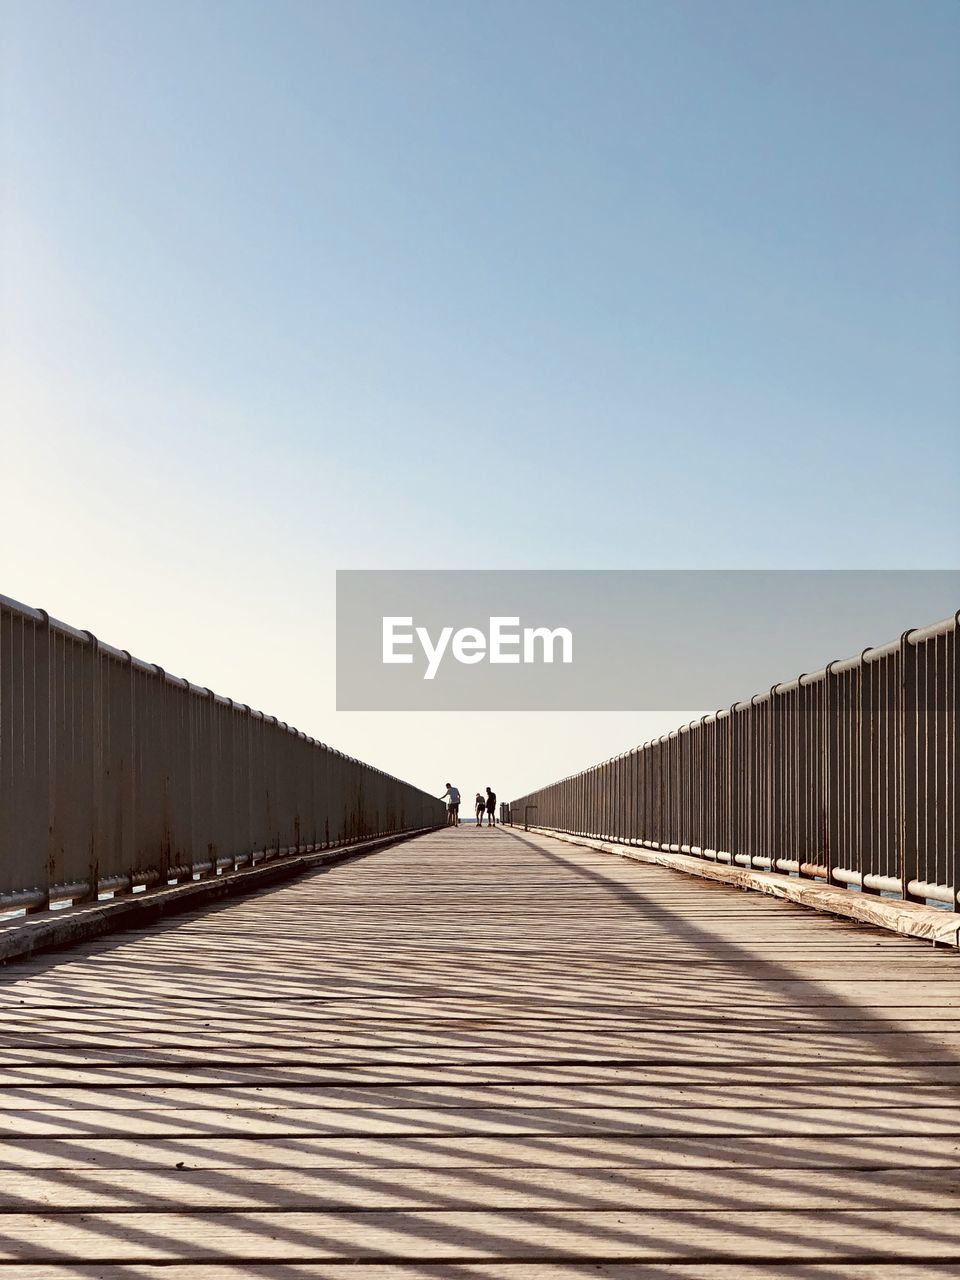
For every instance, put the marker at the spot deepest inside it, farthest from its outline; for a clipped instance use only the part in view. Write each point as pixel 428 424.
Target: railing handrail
pixel 114 773
pixel 179 682
pixel 847 773
pixel 915 636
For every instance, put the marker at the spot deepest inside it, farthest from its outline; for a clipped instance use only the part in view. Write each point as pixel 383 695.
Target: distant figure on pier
pixel 452 797
pixel 491 808
pixel 479 804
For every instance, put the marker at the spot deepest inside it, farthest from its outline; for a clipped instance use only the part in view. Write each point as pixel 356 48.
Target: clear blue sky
pixel 298 286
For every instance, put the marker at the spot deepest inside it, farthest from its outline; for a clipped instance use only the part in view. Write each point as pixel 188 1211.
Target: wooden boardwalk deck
pixel 483 1054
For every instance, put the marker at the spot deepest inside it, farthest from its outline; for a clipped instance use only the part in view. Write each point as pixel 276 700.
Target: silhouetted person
pixel 452 797
pixel 479 804
pixel 491 808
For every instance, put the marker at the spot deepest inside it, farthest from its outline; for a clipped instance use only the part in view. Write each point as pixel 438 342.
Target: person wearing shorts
pixel 491 808
pixel 452 797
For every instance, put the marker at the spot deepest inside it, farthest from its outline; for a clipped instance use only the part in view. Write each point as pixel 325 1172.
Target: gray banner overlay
pixel 620 640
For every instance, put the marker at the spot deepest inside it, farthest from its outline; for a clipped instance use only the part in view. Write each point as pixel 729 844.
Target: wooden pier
pixel 483 1053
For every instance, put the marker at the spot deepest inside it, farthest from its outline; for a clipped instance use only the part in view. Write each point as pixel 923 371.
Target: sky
pixel 291 287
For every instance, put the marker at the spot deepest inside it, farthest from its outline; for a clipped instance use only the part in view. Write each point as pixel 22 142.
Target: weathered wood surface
pixel 912 919
pixel 491 1271
pixel 75 924
pixel 484 1054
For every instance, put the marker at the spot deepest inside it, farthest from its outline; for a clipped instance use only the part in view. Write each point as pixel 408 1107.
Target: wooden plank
pixel 824 1151
pixel 650 1045
pixel 36 1081
pixel 454 1236
pixel 672 1122
pixel 239 1189
pixel 834 1270
pixel 307 1030
pixel 583 1097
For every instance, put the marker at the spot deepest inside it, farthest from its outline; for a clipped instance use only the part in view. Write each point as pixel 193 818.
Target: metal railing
pixel 115 774
pixel 849 775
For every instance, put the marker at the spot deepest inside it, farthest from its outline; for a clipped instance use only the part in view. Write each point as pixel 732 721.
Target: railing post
pixel 909 752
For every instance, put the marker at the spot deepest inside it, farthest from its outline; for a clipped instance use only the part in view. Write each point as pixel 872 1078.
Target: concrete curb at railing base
pixel 77 924
pixel 912 919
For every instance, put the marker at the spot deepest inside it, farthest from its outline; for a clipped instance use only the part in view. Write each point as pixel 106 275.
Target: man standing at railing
pixel 452 797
